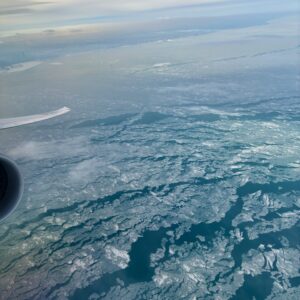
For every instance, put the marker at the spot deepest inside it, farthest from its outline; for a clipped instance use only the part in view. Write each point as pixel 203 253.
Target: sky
pixel 17 16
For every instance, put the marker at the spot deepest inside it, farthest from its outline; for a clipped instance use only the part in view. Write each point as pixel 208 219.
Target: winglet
pixel 14 122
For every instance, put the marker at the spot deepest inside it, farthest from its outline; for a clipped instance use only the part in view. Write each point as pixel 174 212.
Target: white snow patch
pixel 117 256
pixel 161 65
pixel 161 279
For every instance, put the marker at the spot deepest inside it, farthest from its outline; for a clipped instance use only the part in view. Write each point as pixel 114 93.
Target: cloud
pixel 95 7
pixel 15 11
pixel 19 16
pixel 129 5
pixel 34 14
pixel 32 150
pixel 19 6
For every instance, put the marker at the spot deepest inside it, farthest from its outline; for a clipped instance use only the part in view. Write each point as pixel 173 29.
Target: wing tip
pixel 19 121
pixel 64 110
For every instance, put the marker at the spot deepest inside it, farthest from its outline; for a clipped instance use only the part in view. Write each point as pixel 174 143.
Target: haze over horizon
pixel 19 16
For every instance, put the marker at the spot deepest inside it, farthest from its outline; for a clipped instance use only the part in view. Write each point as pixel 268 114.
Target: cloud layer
pixel 18 15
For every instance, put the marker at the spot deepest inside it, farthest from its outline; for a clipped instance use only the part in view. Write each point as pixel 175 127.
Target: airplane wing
pixel 14 122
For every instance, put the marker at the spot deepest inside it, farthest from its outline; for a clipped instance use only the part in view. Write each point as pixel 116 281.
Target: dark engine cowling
pixel 11 186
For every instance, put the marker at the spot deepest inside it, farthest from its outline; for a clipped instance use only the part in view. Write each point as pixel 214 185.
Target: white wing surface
pixel 14 122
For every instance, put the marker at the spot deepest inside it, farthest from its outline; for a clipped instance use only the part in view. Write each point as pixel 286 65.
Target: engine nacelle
pixel 11 186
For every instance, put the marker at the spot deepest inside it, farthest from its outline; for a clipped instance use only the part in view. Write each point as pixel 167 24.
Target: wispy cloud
pixel 101 6
pixel 18 16
pixel 27 14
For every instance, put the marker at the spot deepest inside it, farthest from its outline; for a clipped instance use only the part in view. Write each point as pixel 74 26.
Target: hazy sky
pixel 91 7
pixel 15 14
pixel 20 15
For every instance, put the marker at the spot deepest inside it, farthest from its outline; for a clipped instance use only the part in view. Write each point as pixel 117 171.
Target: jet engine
pixel 11 186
